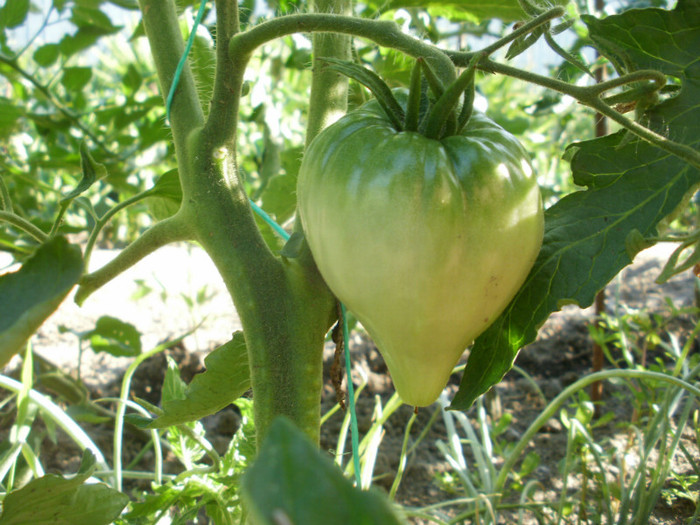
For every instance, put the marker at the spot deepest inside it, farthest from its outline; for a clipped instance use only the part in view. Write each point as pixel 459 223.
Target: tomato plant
pixel 387 232
pixel 426 241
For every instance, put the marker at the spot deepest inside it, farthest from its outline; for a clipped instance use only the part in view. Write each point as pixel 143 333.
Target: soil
pixel 175 304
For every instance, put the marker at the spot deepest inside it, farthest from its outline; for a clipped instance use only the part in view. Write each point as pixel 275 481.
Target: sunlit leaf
pixel 632 186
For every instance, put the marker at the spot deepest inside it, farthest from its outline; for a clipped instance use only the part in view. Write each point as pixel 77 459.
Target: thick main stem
pixel 283 305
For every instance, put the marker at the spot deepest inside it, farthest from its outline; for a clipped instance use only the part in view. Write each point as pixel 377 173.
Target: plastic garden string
pixel 282 233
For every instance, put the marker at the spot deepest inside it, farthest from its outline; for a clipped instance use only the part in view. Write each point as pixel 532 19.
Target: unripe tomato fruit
pixel 425 241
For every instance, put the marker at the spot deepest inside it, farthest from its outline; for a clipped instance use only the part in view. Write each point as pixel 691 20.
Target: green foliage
pixel 33 292
pixel 55 499
pixel 226 379
pixel 86 149
pixel 292 481
pixel 588 229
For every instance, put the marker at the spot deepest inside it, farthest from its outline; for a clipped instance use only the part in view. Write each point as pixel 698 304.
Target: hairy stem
pixel 329 89
pixel 23 224
pixel 590 96
pixel 163 32
pixel 170 230
pixel 383 32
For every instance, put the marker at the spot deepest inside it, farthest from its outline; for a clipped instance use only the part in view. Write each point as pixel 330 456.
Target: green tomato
pixel 425 241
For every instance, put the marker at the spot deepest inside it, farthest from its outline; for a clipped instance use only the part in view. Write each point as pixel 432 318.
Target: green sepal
pixel 571 59
pixel 375 84
pixel 530 8
pixel 524 42
pixel 444 109
pixel 435 84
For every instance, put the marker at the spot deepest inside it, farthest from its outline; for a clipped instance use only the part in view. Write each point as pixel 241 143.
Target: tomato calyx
pixel 442 112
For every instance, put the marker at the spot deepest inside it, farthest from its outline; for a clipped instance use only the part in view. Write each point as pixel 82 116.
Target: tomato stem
pixel 414 95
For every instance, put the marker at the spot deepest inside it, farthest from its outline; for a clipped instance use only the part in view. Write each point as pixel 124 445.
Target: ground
pixel 171 304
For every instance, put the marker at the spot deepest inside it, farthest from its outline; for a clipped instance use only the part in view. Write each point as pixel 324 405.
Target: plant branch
pixel 383 32
pixel 162 233
pixel 5 199
pixel 101 222
pixel 23 224
pixel 530 26
pixel 590 96
pixel 226 93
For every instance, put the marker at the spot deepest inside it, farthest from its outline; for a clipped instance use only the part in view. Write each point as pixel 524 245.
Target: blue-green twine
pixel 354 432
pixel 183 59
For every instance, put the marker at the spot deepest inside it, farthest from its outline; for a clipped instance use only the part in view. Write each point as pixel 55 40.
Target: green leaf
pixel 9 116
pixel 279 197
pixel 30 295
pixel 76 78
pixel 226 378
pixel 55 500
pixel 47 54
pixel 165 196
pixel 631 185
pixel 115 337
pixel 293 247
pixel 82 39
pixel 174 388
pixel 92 172
pixel 93 18
pixel 132 79
pixel 475 10
pixel 650 39
pixel 292 482
pixel 14 13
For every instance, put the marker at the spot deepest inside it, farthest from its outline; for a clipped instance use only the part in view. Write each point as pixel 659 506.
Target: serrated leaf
pixel 226 378
pixel 55 500
pixel 650 38
pixel 115 337
pixel 31 294
pixel 292 482
pixel 631 185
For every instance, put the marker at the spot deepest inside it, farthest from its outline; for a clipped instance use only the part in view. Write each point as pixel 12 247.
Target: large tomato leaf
pixel 292 482
pixel 631 187
pixel 31 294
